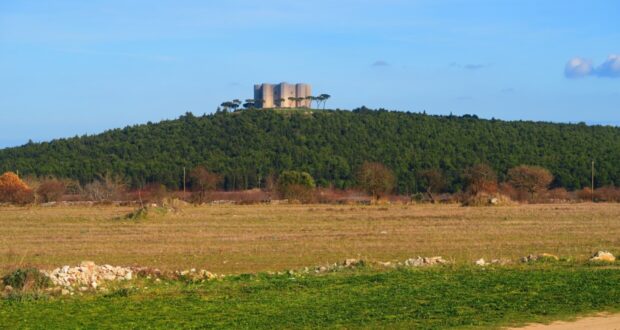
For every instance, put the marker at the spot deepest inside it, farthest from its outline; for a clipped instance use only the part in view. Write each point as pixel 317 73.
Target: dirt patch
pixel 599 322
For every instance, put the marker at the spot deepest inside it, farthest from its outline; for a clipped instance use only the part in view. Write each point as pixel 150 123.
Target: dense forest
pixel 248 147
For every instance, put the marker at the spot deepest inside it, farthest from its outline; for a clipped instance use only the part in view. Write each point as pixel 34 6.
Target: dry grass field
pixel 235 239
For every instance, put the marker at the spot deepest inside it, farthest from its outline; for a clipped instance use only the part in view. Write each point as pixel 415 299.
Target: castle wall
pixel 272 95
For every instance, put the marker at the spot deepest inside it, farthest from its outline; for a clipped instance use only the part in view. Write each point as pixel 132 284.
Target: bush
pixel 296 185
pixel 558 195
pixel 202 183
pixel 376 179
pixel 153 193
pixel 480 178
pixel 108 188
pixel 14 190
pixel 607 194
pixel 27 279
pixel 301 193
pixel 51 190
pixel 585 194
pixel 484 199
pixel 530 179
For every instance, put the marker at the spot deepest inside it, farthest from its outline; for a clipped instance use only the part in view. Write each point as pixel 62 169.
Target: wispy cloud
pixel 380 63
pixel 469 66
pixel 475 66
pixel 579 67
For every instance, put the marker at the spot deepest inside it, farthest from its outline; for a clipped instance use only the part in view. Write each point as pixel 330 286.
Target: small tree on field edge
pixel 203 182
pixel 433 181
pixel 480 178
pixel 530 179
pixel 296 185
pixel 376 179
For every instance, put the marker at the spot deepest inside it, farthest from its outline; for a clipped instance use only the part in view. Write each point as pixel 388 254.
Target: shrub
pixel 480 178
pixel 433 181
pixel 14 190
pixel 558 195
pixel 607 194
pixel 530 179
pixel 296 185
pixel 300 193
pixel 154 193
pixel 27 279
pixel 51 190
pixel 585 194
pixel 484 199
pixel 106 189
pixel 376 179
pixel 202 182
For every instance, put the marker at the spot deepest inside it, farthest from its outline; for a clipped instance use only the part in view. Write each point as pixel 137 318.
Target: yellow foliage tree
pixel 14 190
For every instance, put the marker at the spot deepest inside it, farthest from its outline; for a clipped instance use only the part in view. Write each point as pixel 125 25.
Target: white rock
pixel 603 256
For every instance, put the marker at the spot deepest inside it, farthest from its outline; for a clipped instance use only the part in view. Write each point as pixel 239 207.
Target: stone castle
pixel 279 96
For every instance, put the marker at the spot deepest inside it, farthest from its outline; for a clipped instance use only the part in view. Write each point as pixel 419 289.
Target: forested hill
pixel 247 146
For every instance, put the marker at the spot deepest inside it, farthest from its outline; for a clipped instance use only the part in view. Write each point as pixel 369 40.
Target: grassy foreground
pixel 442 297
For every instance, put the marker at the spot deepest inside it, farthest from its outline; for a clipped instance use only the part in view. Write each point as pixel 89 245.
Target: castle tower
pixel 303 91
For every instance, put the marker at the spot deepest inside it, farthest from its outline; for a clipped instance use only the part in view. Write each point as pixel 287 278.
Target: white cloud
pixel 578 67
pixel 609 68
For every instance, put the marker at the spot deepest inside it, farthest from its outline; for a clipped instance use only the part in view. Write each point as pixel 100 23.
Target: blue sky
pixel 79 67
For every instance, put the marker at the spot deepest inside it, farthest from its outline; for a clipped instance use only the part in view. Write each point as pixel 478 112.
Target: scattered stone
pixel 548 256
pixel 426 261
pixel 350 263
pixel 603 256
pixel 500 261
pixel 481 262
pixel 195 275
pixel 321 269
pixel 542 256
pixel 65 292
pixel 8 289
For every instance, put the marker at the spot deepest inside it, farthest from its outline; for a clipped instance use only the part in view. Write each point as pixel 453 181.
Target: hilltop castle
pixel 279 96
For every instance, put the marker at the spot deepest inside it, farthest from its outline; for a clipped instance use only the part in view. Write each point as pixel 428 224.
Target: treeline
pixel 248 148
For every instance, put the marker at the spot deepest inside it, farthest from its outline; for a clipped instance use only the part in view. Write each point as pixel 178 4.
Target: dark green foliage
pixel 27 279
pixel 297 186
pixel 246 147
pixel 439 298
pixel 288 178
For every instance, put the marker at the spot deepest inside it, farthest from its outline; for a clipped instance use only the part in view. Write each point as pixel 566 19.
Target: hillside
pixel 246 146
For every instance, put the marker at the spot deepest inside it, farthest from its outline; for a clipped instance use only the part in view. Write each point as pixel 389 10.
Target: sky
pixel 77 67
